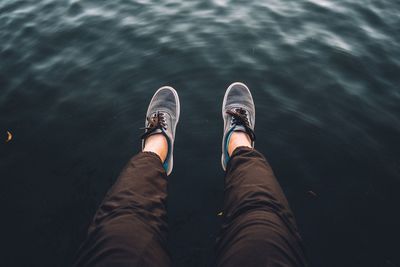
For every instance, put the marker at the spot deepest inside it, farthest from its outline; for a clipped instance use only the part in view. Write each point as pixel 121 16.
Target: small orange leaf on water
pixel 9 136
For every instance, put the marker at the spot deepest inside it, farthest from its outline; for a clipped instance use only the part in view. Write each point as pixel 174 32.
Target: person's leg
pixel 258 227
pixel 130 226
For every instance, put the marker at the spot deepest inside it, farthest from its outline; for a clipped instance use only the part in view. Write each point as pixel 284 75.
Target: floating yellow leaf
pixel 9 137
pixel 220 214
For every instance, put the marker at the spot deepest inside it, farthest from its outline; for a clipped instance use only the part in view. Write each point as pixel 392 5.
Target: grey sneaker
pixel 162 117
pixel 239 114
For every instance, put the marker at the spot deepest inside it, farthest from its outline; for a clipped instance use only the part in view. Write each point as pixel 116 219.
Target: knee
pixel 260 239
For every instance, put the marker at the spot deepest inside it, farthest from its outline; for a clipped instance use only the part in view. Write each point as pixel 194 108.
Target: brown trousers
pixel 130 227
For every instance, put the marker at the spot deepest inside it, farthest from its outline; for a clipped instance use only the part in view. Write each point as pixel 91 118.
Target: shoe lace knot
pixel 240 118
pixel 154 122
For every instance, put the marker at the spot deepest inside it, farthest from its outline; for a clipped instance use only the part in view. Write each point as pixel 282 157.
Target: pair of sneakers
pixel 238 112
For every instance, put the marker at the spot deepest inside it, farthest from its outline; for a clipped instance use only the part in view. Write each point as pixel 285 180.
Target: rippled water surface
pixel 76 77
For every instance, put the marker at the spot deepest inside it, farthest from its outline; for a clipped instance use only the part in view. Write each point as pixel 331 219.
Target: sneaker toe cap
pixel 239 95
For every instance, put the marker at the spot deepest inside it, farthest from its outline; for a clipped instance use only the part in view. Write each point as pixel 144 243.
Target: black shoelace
pixel 157 121
pixel 239 117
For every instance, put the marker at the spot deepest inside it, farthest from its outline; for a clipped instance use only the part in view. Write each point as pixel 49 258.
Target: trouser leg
pixel 130 226
pixel 259 228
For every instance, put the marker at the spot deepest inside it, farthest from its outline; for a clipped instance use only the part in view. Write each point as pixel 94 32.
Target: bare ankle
pixel 158 144
pixel 238 139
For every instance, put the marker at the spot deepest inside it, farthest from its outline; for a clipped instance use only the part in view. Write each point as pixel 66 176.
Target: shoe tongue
pixel 239 128
pixel 156 131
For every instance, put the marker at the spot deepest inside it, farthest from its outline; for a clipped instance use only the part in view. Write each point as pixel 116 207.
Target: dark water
pixel 76 77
